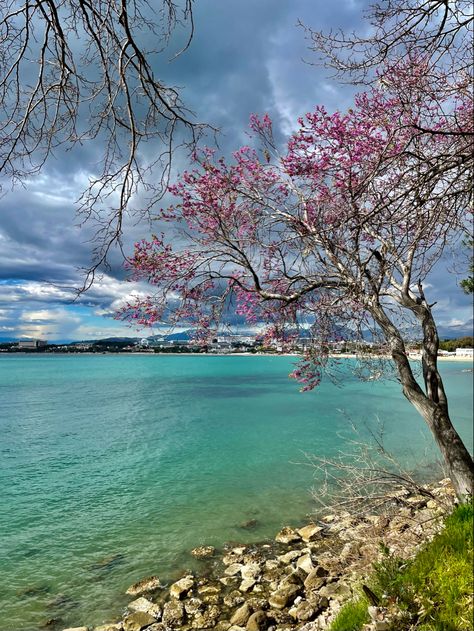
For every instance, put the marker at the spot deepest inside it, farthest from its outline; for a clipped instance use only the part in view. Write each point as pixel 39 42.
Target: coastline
pixel 298 581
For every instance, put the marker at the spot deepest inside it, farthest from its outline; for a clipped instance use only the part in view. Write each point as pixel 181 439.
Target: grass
pixel 433 591
pixel 352 616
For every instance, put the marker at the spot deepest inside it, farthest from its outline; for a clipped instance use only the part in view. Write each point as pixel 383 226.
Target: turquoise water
pixel 138 459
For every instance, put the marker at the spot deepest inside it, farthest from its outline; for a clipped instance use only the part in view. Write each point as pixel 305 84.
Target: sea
pixel 113 467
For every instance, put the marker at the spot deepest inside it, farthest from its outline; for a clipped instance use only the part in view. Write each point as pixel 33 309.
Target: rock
pixel 289 557
pixel 303 611
pixel 249 524
pixel 316 578
pixel 228 580
pixel 143 604
pixel 192 605
pixel 305 562
pixel 234 556
pixel 255 603
pixel 77 629
pixel 247 584
pixel 222 625
pixel 233 569
pixel 206 619
pixel 250 571
pixel 33 590
pixel 137 621
pixel 149 584
pixel 257 621
pixel 287 535
pixel 241 616
pixel 233 599
pixel 173 612
pixel 338 590
pixel 108 563
pixel 284 596
pixel 203 552
pixel 318 602
pixel 182 587
pixel 111 626
pixel 310 532
pixel 294 578
pixel 50 622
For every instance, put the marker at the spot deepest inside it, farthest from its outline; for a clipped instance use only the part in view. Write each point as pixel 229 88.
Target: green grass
pixel 434 590
pixel 352 616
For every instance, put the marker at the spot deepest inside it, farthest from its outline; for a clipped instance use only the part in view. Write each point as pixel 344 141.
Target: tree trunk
pixel 458 461
pixel 432 404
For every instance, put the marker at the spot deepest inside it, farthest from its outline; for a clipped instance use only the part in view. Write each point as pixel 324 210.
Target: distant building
pixel 465 352
pixel 32 344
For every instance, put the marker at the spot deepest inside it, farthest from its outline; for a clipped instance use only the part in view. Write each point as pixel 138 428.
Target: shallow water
pixel 113 467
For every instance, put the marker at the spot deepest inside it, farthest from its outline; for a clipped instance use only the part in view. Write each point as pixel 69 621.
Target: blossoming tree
pixel 342 228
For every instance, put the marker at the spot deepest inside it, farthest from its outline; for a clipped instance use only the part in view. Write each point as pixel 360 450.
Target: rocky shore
pixel 298 581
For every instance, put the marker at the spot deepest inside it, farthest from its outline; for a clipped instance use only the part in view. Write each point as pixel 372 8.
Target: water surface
pixel 113 467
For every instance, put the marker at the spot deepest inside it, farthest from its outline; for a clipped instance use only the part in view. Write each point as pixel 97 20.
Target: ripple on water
pixel 115 467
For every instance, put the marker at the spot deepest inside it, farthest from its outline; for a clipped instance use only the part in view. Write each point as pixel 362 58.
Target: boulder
pixel 250 571
pixel 289 557
pixel 111 626
pixel 182 587
pixel 257 621
pixel 143 604
pixel 173 612
pixel 77 629
pixel 241 615
pixel 233 599
pixel 287 535
pixel 203 552
pixel 192 605
pixel 247 584
pixel 234 556
pixel 310 532
pixel 149 584
pixel 233 569
pixel 337 591
pixel 303 611
pixel 305 562
pixel 249 524
pixel 316 578
pixel 284 596
pixel 137 621
pixel 206 619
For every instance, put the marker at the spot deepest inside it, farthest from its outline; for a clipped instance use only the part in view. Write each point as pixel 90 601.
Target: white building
pixel 465 352
pixel 30 344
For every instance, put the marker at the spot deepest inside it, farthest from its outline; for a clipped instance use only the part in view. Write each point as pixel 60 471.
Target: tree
pixel 467 284
pixel 73 71
pixel 342 229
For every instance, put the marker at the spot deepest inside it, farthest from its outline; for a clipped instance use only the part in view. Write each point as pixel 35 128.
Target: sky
pixel 246 57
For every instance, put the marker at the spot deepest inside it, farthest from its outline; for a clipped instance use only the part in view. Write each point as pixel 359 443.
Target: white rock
pixel 250 571
pixel 233 569
pixel 305 563
pixel 178 589
pixel 143 604
pixel 310 532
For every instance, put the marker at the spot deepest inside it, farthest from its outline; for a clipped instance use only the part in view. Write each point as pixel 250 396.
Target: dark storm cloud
pixel 245 57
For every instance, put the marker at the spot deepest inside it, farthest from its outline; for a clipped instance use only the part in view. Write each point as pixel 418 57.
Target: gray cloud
pixel 246 57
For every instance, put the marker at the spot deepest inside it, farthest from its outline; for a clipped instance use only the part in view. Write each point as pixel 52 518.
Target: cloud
pixel 245 57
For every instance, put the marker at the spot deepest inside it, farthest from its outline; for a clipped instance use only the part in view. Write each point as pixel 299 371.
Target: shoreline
pixel 442 358
pixel 297 581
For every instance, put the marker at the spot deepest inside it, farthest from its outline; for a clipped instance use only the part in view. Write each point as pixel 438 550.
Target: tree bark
pixel 432 404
